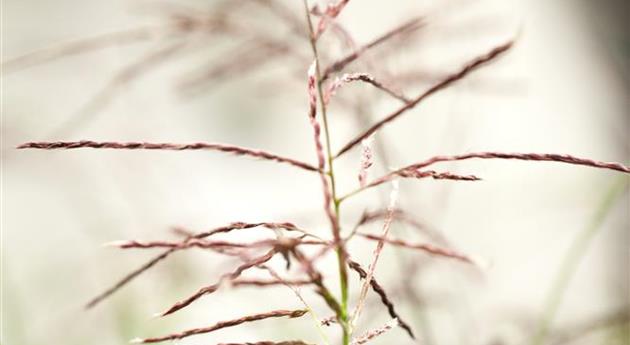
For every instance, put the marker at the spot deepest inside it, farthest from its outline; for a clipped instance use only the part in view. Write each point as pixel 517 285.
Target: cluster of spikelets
pixel 290 240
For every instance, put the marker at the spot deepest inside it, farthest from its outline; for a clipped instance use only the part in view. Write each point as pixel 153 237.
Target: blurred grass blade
pixel 574 255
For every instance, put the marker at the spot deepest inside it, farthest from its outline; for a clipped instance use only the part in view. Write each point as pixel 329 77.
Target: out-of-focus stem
pixel 573 257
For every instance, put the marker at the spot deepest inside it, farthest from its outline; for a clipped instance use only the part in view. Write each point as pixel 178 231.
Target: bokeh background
pixel 563 89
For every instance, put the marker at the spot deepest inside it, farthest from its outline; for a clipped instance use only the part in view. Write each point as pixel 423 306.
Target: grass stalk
pixel 341 257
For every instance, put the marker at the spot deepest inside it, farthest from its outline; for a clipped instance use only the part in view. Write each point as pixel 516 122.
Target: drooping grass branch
pixel 220 230
pixel 366 78
pixel 469 67
pixel 292 314
pixel 407 27
pixel 414 171
pixel 204 244
pixel 237 150
pixel 540 157
pixel 54 52
pixel 378 289
pixel 214 287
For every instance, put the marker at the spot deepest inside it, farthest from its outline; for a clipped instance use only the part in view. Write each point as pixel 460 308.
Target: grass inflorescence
pixel 323 80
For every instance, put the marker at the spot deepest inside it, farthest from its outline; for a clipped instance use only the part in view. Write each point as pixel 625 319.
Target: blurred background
pixel 157 71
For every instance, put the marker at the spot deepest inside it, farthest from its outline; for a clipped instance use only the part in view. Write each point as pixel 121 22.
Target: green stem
pixel 341 258
pixel 573 256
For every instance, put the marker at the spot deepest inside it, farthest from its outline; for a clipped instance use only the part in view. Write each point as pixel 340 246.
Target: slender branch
pixel 550 157
pixel 429 248
pixel 414 171
pixel 378 289
pixel 223 229
pixel 337 66
pixel 237 150
pixel 376 255
pixel 79 46
pixel 366 78
pixel 228 276
pixel 411 173
pixel 370 335
pixel 224 324
pixel 469 67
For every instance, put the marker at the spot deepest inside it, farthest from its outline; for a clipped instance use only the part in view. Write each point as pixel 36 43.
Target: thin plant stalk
pixel 574 255
pixel 343 271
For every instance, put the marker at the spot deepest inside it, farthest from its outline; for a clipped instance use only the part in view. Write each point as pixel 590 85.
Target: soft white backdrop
pixel 561 89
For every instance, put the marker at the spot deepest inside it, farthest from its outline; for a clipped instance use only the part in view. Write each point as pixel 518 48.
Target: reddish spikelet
pixel 374 333
pixel 338 65
pixel 393 199
pixel 431 249
pixel 332 11
pixel 237 150
pixel 224 229
pixel 366 78
pixel 550 157
pixel 321 157
pixel 418 174
pixel 410 172
pixel 449 80
pixel 378 289
pixel 228 276
pixel 224 324
pixel 366 162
